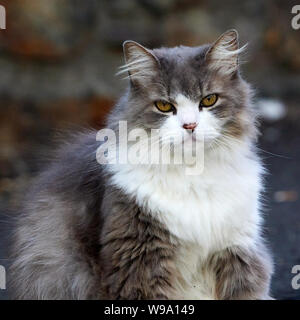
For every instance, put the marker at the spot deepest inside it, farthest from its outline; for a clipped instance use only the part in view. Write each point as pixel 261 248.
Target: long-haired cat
pixel 150 230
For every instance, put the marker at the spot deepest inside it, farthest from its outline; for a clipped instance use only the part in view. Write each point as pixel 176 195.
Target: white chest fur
pixel 214 210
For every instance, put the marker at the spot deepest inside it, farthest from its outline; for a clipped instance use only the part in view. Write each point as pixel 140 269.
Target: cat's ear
pixel 223 55
pixel 140 63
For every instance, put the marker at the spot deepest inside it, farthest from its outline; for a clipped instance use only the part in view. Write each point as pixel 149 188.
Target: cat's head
pixel 191 91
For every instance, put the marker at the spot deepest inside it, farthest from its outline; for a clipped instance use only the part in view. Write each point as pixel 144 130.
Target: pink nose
pixel 190 126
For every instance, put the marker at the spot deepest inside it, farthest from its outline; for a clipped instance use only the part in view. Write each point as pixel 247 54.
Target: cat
pixel 153 231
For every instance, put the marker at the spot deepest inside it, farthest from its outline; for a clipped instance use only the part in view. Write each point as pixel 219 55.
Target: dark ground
pixel 282 226
pixel 282 218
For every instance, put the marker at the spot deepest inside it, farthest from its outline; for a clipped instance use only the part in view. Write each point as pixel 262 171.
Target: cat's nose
pixel 190 126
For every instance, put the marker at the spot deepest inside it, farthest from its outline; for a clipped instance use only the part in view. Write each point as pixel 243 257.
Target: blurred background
pixel 58 61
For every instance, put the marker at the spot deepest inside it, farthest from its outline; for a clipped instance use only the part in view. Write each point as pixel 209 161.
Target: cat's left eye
pixel 209 100
pixel 164 106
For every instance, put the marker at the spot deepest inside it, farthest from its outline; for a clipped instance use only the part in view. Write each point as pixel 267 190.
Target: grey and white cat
pixel 150 231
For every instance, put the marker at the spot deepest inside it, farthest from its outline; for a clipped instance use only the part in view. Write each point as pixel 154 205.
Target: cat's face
pixel 194 93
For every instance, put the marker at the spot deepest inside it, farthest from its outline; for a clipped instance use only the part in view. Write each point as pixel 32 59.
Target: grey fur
pixel 81 238
pixel 241 273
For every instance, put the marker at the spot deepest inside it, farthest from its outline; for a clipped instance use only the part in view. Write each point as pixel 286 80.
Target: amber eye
pixel 209 100
pixel 164 106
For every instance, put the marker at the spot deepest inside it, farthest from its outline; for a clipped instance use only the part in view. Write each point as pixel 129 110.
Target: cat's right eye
pixel 164 106
pixel 209 100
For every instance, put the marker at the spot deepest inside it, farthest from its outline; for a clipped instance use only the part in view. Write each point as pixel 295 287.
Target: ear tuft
pixel 140 62
pixel 223 54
